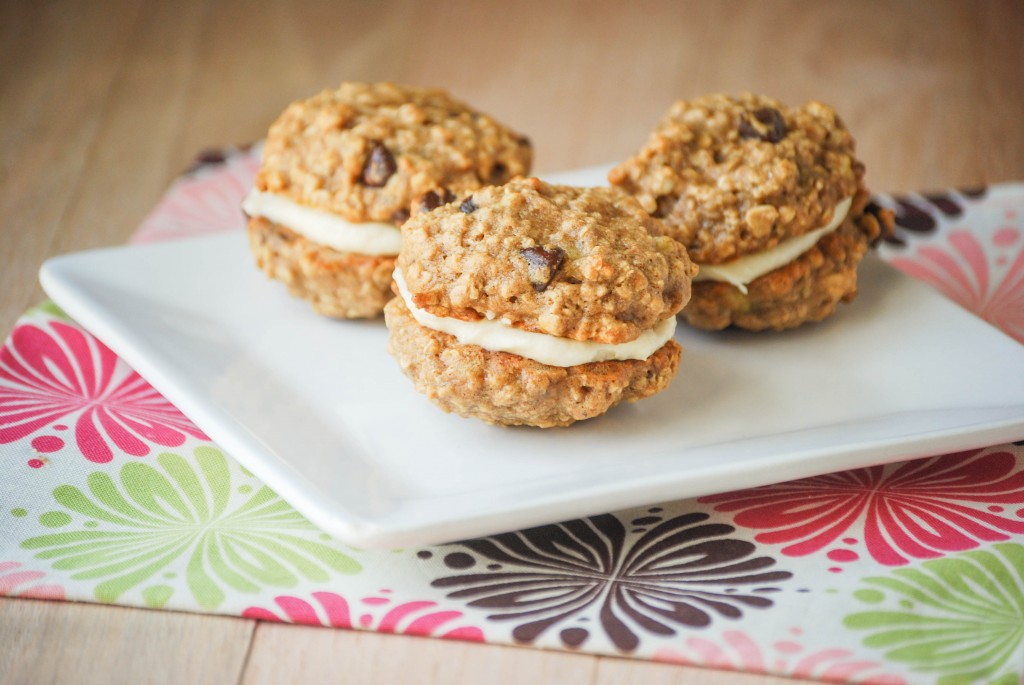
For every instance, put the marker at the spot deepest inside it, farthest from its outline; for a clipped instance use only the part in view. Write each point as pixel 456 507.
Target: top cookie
pixel 366 151
pixel 736 175
pixel 579 263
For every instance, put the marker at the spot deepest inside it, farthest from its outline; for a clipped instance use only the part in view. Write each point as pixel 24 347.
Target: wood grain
pixel 103 104
pixel 294 654
pixel 57 642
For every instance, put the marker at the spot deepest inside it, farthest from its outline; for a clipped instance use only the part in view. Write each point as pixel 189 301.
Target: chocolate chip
pixel 747 130
pixel 467 206
pixel 768 125
pixel 399 217
pixel 543 257
pixel 544 263
pixel 379 167
pixel 432 199
pixel 664 207
pixel 772 118
pixel 499 173
pixel 523 141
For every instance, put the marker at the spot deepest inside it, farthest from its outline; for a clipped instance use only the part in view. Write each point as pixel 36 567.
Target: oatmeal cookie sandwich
pixel 536 304
pixel 769 200
pixel 341 172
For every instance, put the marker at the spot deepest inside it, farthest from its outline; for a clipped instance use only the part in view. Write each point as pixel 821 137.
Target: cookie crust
pixel 732 176
pixel 807 289
pixel 337 284
pixel 366 151
pixel 506 389
pixel 578 263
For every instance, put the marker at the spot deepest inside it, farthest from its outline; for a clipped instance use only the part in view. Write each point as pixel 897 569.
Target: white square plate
pixel 318 410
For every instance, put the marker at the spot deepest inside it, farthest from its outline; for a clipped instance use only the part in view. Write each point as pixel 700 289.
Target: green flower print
pixel 182 515
pixel 961 617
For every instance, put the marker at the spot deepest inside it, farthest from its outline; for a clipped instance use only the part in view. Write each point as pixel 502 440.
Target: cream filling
pixel 497 336
pixel 744 270
pixel 324 228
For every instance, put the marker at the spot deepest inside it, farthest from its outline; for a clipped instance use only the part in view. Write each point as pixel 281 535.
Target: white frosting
pixel 498 336
pixel 325 228
pixel 743 270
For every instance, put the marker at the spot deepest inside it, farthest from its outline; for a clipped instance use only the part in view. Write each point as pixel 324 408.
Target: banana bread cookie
pixel 536 304
pixel 769 200
pixel 341 171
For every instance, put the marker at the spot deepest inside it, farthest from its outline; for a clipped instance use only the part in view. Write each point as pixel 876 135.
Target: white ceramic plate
pixel 319 411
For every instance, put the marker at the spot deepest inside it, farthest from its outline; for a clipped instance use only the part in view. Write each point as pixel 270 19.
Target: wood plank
pixel 997 59
pixel 135 154
pixel 57 642
pixel 52 103
pixel 243 84
pixel 304 654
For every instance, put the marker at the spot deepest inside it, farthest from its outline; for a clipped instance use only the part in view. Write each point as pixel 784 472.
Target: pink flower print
pixel 737 651
pixel 59 372
pixel 986 281
pixel 208 202
pixel 370 613
pixel 18 582
pixel 920 509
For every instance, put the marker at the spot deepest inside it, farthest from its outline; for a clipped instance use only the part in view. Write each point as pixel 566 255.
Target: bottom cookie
pixel 343 285
pixel 807 289
pixel 506 389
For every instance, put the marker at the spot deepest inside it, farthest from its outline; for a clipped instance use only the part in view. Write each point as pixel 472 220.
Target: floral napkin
pixel 906 573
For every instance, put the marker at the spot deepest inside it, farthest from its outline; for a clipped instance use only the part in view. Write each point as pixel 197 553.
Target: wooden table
pixel 102 104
